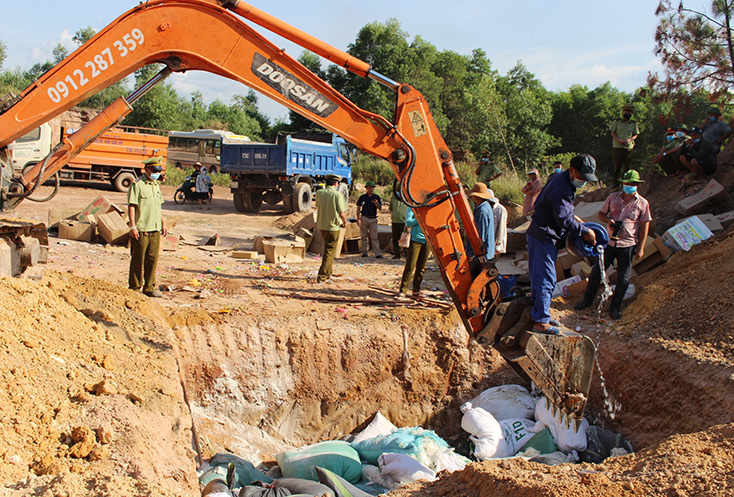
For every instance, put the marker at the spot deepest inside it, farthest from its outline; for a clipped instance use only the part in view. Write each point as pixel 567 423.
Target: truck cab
pixel 31 148
pixel 289 171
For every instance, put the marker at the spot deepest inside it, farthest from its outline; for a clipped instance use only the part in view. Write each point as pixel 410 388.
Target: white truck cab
pixel 31 148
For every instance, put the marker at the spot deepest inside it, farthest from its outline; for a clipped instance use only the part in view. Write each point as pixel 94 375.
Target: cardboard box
pixel 307 236
pixel 560 274
pixel 258 246
pixel 710 221
pixel 516 241
pixel 353 229
pixel 245 254
pixel 578 287
pixel 506 266
pixel 113 228
pixel 581 269
pixel 353 246
pixel 712 195
pixel 650 249
pixel 567 259
pixel 648 263
pixel 170 242
pixel 588 211
pixel 279 251
pixel 308 221
pixel 562 287
pixel 339 243
pixel 685 235
pixel 726 219
pixel 56 214
pixel 76 230
pixel 663 249
pixel 101 205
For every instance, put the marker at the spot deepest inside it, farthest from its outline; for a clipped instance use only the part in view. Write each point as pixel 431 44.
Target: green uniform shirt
pixel 146 195
pixel 398 209
pixel 487 172
pixel 331 203
pixel 624 131
pixel 679 141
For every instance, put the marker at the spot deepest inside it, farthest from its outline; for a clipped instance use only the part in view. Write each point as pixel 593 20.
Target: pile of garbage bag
pixel 504 421
pixel 380 458
pixel 507 421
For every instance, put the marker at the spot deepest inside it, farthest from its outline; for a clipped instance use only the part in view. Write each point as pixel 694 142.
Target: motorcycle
pixel 187 191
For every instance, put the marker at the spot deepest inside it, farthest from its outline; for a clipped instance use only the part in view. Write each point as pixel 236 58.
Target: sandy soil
pixel 92 396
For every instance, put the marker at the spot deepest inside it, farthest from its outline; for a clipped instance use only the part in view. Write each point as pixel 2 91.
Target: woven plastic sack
pixel 339 485
pixel 404 469
pixel 504 402
pixel 416 442
pixel 567 438
pixel 380 425
pixel 301 486
pixel 253 491
pixel 245 472
pixel 336 456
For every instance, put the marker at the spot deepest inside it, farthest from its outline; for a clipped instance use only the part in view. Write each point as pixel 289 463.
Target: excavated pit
pixel 265 379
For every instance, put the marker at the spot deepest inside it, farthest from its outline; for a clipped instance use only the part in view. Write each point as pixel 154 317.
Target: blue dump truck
pixel 290 171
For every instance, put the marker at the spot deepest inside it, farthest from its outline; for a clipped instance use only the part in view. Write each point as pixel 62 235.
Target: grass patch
pixel 176 177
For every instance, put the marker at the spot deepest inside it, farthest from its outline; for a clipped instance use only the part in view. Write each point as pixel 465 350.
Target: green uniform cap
pixel 683 127
pixel 154 161
pixel 333 176
pixel 631 176
pixel 715 111
pixel 370 183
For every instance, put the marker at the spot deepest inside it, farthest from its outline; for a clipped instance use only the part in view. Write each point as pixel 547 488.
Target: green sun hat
pixel 631 176
pixel 370 183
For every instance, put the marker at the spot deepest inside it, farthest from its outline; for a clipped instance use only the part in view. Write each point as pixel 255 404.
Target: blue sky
pixel 563 43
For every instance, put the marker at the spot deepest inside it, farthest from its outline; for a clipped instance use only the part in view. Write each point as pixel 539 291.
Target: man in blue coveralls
pixel 553 220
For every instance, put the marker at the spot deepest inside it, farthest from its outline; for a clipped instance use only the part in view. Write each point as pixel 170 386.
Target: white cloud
pixel 45 51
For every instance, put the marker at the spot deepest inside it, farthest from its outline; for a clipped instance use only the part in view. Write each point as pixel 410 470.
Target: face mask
pixel 712 118
pixel 155 176
pixel 629 190
pixel 670 138
pixel 696 140
pixel 626 116
pixel 679 134
pixel 558 170
pixel 578 183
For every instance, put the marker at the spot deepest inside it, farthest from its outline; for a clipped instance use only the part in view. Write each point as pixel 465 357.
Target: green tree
pixel 529 113
pixel 3 52
pixel 160 108
pixel 83 35
pixel 696 48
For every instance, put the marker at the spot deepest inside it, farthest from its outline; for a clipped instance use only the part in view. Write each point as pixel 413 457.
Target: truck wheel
pixel 344 190
pixel 302 197
pixel 239 202
pixel 252 200
pixel 123 181
pixel 288 204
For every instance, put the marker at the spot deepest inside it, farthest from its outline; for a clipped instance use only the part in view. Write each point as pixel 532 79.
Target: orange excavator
pixel 214 36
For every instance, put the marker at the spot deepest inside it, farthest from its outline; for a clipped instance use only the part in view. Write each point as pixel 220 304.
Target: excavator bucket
pixel 561 366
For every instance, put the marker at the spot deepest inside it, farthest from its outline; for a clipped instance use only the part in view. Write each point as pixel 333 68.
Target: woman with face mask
pixel 627 215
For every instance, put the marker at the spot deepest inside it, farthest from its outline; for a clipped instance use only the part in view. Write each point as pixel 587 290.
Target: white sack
pixel 485 430
pixel 377 427
pixel 566 438
pixel 449 460
pixel 403 468
pixel 515 434
pixel 504 402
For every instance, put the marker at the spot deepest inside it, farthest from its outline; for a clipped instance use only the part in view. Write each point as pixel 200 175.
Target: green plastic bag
pixel 542 442
pixel 335 455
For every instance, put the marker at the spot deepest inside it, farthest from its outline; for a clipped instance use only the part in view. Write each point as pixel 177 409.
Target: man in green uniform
pixel 487 171
pixel 624 132
pixel 146 223
pixel 397 210
pixel 330 218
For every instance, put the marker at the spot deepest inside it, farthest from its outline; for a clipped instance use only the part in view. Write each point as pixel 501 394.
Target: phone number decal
pixel 97 65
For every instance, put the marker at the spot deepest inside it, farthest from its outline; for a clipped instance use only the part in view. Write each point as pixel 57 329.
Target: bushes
pixel 176 177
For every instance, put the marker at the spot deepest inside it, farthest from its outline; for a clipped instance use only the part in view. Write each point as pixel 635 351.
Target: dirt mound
pixel 89 392
pixel 698 464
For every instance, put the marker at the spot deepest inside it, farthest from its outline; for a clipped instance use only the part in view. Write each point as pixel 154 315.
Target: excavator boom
pixel 211 35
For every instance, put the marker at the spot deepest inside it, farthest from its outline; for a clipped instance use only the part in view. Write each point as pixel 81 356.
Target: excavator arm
pixel 212 36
